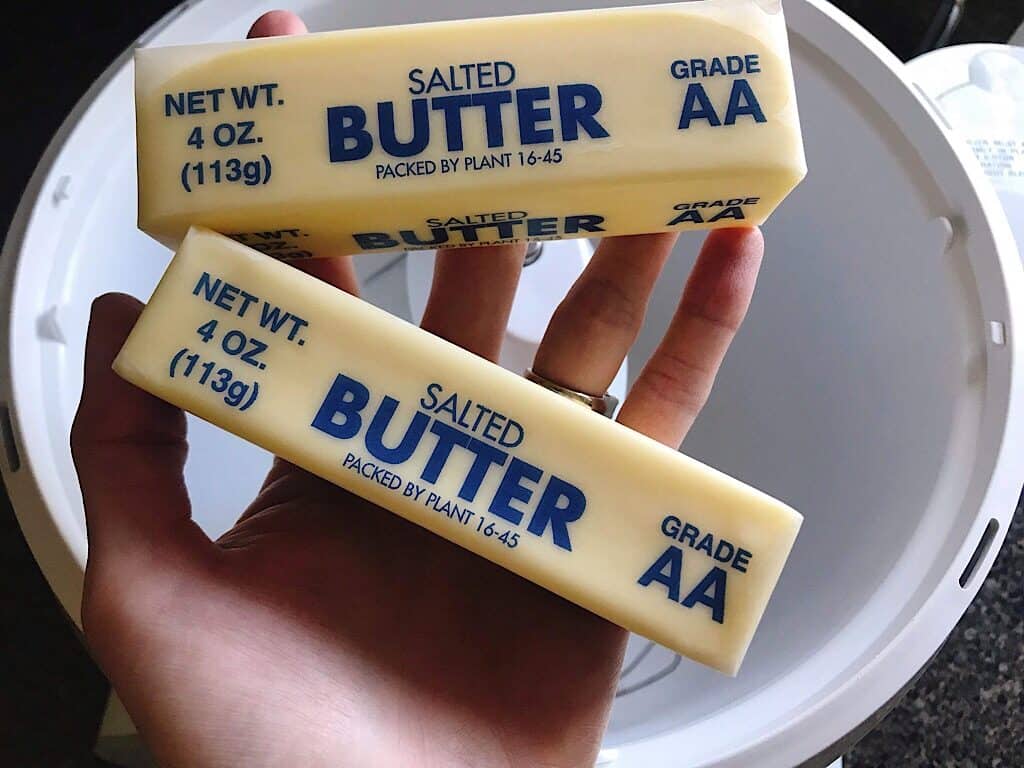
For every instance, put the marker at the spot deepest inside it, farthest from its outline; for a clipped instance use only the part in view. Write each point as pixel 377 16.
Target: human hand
pixel 323 631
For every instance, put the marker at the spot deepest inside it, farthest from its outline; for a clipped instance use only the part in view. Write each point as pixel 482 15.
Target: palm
pixel 418 638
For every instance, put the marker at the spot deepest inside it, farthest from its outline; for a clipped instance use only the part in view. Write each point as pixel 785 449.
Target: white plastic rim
pixel 875 386
pixel 978 90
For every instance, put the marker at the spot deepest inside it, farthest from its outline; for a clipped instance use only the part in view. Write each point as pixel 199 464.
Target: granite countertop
pixel 966 710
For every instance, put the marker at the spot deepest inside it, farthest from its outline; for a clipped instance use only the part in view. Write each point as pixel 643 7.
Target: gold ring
pixel 603 404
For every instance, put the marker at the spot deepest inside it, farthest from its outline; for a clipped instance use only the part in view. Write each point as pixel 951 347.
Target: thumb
pixel 129 450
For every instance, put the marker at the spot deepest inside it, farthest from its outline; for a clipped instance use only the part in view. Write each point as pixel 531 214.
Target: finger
pixel 471 296
pixel 336 270
pixel 129 449
pixel 598 321
pixel 339 271
pixel 275 23
pixel 674 385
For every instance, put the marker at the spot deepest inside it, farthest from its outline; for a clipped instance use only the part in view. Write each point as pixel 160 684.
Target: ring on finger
pixel 602 404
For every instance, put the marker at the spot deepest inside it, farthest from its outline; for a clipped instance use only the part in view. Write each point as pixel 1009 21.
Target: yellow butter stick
pixel 603 516
pixel 581 124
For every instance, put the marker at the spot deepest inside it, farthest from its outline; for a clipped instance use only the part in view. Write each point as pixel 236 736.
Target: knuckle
pixel 679 382
pixel 605 303
pixel 719 314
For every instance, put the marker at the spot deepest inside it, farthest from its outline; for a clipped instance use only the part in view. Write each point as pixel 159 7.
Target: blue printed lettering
pixel 347 137
pixel 556 503
pixel 531 115
pixel 491 101
pixel 742 101
pixel 580 114
pixel 379 424
pixel 697 106
pixel 512 489
pixel 447 438
pixel 346 398
pixel 560 504
pixel 486 456
pixel 710 592
pixel 452 108
pixel 350 137
pixel 420 129
pixel 373 241
pixel 671 559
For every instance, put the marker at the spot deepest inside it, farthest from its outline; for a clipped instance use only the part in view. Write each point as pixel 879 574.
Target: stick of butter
pixel 593 511
pixel 581 124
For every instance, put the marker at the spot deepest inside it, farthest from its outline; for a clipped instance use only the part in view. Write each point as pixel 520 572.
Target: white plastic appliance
pixel 978 91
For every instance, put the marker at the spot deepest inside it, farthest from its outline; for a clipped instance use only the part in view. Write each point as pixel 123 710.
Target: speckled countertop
pixel 967 710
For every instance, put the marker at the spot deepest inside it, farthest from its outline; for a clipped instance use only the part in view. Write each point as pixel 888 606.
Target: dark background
pixel 966 710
